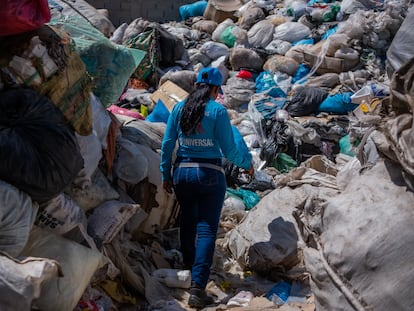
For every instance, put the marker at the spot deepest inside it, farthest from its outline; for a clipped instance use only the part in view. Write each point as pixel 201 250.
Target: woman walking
pixel 204 133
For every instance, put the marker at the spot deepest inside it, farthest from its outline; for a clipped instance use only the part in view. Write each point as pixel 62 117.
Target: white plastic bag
pixel 214 49
pixel 291 32
pixel 261 34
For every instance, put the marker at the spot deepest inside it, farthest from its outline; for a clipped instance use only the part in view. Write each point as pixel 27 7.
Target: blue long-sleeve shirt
pixel 213 139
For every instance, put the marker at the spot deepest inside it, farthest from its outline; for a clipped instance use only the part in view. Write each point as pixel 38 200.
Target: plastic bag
pixel 284 163
pixel 159 114
pixel 220 28
pixel 281 63
pixel 261 34
pixel 250 17
pixel 337 104
pixel 238 91
pixel 38 151
pixel 250 198
pixel 278 47
pixel 18 16
pixel 291 32
pixel 227 36
pixel 305 101
pixel 243 58
pixel 279 293
pixel 193 9
pixel 214 50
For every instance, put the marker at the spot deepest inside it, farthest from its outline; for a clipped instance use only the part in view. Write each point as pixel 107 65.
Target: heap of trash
pixel 321 93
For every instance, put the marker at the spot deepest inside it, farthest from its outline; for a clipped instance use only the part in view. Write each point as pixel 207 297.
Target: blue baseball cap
pixel 210 75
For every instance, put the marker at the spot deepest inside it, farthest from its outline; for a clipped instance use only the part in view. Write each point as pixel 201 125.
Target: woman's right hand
pixel 251 171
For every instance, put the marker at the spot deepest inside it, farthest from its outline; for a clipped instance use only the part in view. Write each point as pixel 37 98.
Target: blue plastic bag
pixel 329 32
pixel 159 114
pixel 279 293
pixel 265 83
pixel 302 71
pixel 310 41
pixel 193 9
pixel 338 104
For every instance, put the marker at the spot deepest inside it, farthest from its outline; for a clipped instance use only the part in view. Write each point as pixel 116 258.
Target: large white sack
pixel 367 245
pixel 21 280
pixel 17 216
pixel 61 215
pixel 109 218
pixel 267 237
pixel 78 263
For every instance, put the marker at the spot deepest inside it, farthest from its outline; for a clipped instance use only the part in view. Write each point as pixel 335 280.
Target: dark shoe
pixel 198 297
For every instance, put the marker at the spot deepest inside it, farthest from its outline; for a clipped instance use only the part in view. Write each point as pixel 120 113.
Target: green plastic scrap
pixel 249 198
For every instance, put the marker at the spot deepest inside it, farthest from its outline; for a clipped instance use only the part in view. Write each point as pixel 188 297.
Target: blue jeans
pixel 200 192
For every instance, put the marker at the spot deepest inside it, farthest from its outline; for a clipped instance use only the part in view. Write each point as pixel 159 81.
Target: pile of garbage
pixel 319 91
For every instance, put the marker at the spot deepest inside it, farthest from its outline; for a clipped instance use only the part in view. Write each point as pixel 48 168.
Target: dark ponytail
pixel 193 110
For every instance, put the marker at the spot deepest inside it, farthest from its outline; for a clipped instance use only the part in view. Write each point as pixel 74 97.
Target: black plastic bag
pixel 305 101
pixel 171 47
pixel 39 153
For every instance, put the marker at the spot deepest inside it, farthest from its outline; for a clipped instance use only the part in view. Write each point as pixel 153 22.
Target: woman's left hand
pixel 168 186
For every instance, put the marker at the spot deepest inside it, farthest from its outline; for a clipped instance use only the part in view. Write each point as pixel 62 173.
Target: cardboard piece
pixel 329 64
pixel 170 94
pixel 219 10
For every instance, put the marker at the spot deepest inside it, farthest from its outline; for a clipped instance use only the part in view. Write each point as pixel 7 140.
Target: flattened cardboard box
pixel 219 10
pixel 170 94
